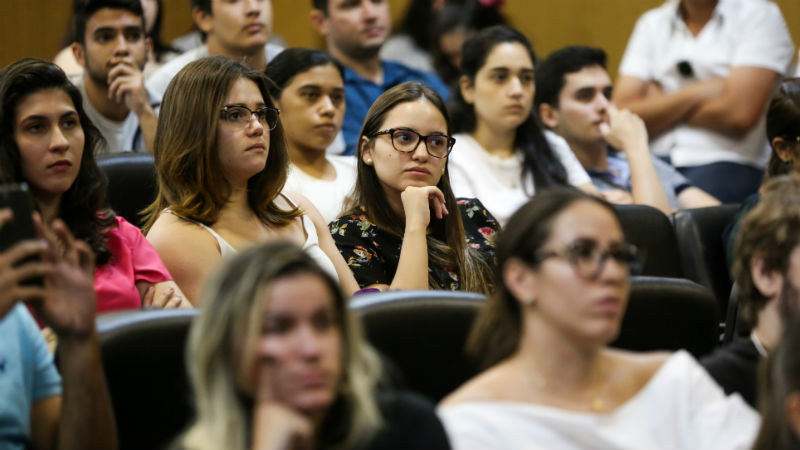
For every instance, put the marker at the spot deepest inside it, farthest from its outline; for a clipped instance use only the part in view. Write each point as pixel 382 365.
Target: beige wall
pixel 34 27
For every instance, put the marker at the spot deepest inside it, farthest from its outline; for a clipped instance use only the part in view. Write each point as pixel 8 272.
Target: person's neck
pixel 97 94
pixel 255 57
pixel 49 207
pixel 368 68
pixel 237 207
pixel 769 327
pixel 697 13
pixel 495 142
pixel 310 161
pixel 592 155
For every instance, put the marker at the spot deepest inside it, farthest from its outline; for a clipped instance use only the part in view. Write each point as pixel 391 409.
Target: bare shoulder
pixel 171 232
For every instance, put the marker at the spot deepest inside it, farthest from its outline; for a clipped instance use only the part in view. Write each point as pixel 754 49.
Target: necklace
pixel 758 345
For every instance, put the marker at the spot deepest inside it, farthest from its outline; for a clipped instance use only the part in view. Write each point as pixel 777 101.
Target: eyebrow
pixel 506 69
pixel 129 28
pixel 42 116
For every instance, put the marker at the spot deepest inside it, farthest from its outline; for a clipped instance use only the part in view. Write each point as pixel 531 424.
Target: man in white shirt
pixel 238 30
pixel 699 73
pixel 112 48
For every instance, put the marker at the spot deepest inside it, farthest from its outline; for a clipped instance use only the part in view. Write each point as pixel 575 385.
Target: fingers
pixel 437 202
pixel 67 241
pixel 264 391
pixel 19 252
pixel 5 216
pixel 147 300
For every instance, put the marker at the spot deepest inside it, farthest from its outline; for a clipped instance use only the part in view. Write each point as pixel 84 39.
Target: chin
pixel 312 403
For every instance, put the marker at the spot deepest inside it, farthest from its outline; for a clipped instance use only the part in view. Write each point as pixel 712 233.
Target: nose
pixel 613 271
pixel 309 343
pixel 369 10
pixel 253 7
pixel 515 87
pixel 421 152
pixel 326 107
pixel 122 46
pixel 255 127
pixel 58 142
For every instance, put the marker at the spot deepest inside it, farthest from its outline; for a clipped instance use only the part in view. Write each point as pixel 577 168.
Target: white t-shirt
pixel 681 407
pixel 740 33
pixel 120 136
pixel 327 196
pixel 497 182
pixel 158 82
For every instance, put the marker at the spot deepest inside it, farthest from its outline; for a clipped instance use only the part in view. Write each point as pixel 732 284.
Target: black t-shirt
pixel 735 368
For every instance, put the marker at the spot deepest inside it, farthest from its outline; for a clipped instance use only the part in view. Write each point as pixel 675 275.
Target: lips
pixel 61 164
pixel 326 127
pixel 373 31
pixel 254 27
pixel 610 305
pixel 257 147
pixel 418 171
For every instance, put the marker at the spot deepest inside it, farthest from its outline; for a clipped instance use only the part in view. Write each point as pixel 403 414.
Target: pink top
pixel 132 259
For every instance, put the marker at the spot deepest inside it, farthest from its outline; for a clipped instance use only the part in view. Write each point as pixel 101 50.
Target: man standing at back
pixel 354 31
pixel 238 30
pixel 700 73
pixel 112 48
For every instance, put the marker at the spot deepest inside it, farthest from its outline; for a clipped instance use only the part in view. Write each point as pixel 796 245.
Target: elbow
pixel 740 124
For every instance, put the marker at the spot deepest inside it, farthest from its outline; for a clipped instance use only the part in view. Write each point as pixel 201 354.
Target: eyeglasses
pixel 587 258
pixel 242 115
pixel 407 140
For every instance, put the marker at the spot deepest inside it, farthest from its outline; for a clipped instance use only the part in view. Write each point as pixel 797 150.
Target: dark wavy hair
pixel 783 120
pixel 538 159
pixel 293 61
pixel 83 206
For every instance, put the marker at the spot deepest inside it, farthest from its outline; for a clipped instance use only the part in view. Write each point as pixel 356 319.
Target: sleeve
pixel 147 264
pixel 468 432
pixel 670 176
pixel 355 239
pixel 636 61
pixel 47 381
pixel 576 174
pixel 773 49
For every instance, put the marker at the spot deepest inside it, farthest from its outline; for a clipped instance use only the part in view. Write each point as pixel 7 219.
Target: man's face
pixel 113 36
pixel 238 25
pixel 357 28
pixel 583 105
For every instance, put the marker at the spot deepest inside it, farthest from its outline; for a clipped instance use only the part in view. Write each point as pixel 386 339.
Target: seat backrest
pixel 131 183
pixel 422 333
pixel 143 357
pixel 702 250
pixel 652 232
pixel 669 314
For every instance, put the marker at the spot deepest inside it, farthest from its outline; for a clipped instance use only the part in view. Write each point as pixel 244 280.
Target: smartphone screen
pixel 17 198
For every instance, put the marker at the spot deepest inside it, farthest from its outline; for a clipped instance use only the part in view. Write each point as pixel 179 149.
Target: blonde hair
pixel 232 302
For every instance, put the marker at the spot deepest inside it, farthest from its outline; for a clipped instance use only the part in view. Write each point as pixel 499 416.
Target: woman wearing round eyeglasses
pixel 221 162
pixel 403 228
pixel 551 380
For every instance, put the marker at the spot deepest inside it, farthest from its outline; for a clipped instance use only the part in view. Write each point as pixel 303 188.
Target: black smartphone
pixel 17 198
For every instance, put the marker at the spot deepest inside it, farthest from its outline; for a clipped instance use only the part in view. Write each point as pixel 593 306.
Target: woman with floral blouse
pixel 398 231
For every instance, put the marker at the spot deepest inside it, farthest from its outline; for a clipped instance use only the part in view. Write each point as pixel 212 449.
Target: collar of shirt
pixel 392 73
pixel 677 19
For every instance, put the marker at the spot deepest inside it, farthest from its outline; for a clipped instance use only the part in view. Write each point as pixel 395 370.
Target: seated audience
pixel 767 274
pixel 309 91
pixel 779 381
pixel 354 32
pixel 573 98
pixel 403 228
pixel 49 142
pixel 411 43
pixel 700 74
pixel 221 165
pixel 552 381
pixel 276 360
pixel 501 154
pixel 111 45
pixel 237 30
pixel 41 407
pixel 783 133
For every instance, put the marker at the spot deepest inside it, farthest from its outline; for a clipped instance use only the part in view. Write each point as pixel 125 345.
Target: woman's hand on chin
pixel 277 426
pixel 418 202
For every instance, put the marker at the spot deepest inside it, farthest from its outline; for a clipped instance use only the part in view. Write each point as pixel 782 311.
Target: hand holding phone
pixel 14 270
pixel 19 226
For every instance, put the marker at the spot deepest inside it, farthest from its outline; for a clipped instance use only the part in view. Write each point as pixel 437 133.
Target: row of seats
pixel 144 359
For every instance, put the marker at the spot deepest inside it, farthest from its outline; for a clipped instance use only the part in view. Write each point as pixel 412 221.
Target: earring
pixel 369 160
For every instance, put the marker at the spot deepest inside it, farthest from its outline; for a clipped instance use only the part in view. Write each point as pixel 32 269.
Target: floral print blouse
pixel 373 253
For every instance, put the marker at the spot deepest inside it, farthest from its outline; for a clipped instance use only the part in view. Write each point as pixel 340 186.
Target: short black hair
pixel 202 5
pixel 321 5
pixel 551 74
pixel 85 9
pixel 296 60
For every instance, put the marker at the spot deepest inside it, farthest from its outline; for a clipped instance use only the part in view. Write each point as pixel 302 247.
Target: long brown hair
pixel 190 179
pixel 447 246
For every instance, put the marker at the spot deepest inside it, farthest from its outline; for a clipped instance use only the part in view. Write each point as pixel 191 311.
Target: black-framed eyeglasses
pixel 407 140
pixel 242 115
pixel 588 258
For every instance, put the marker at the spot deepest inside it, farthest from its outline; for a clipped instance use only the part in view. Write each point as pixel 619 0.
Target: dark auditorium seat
pixel 651 231
pixel 131 183
pixel 143 358
pixel 699 233
pixel 669 314
pixel 422 333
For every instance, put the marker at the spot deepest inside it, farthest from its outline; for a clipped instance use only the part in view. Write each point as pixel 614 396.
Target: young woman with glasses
pixel 221 163
pixel 552 381
pixel 404 228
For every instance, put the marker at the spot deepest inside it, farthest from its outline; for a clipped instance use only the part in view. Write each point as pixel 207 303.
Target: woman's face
pixel 243 146
pixel 502 91
pixel 298 352
pixel 577 303
pixel 397 170
pixel 312 108
pixel 50 139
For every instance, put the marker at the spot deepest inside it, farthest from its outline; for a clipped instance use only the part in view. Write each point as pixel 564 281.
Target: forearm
pixel 412 268
pixel 646 186
pixel 721 116
pixel 661 111
pixel 87 419
pixel 148 122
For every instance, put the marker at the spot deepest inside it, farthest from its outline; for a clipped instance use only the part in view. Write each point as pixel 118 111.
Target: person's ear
pixel 148 46
pixel 319 21
pixel 203 20
pixel 78 53
pixel 549 115
pixel 792 404
pixel 520 280
pixel 365 150
pixel 467 88
pixel 783 149
pixel 768 282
